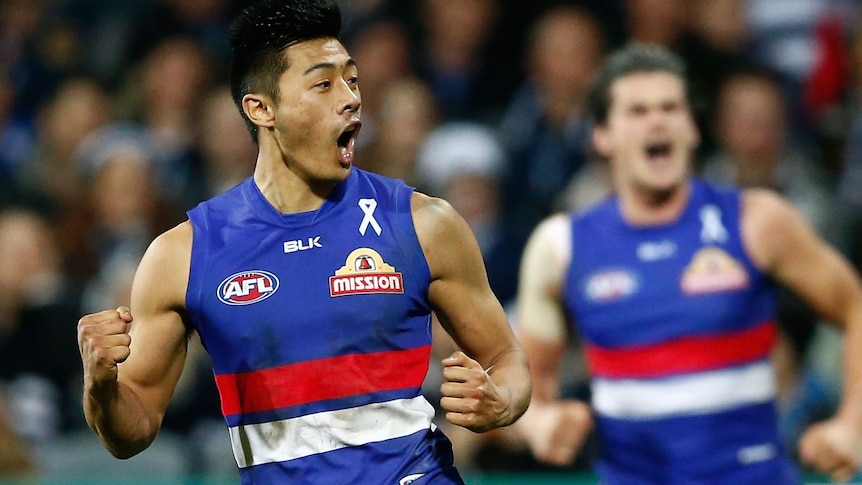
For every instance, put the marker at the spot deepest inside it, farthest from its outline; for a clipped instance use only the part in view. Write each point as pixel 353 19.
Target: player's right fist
pixel 103 340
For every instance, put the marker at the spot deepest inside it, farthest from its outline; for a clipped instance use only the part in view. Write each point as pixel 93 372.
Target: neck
pixel 283 186
pixel 647 207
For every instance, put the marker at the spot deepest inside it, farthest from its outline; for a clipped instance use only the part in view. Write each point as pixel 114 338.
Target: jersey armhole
pixel 197 263
pixel 405 234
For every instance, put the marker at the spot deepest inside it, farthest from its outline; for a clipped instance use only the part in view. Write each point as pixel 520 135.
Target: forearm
pixel 511 373
pixel 117 415
pixel 851 401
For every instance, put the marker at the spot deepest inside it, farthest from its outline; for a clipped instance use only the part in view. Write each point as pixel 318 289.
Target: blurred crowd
pixel 116 118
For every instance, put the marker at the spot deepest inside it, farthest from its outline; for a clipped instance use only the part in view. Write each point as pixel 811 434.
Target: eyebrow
pixel 328 65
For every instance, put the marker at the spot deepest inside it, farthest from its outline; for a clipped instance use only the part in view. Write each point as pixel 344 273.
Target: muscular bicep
pixel 459 292
pixel 541 322
pixel 158 331
pixel 543 268
pixel 786 246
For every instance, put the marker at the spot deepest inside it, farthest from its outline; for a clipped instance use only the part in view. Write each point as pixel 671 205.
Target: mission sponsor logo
pixel 713 270
pixel 364 272
pixel 610 285
pixel 247 287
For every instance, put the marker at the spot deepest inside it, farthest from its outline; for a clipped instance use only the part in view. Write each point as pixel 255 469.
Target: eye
pixel 671 106
pixel 637 110
pixel 323 85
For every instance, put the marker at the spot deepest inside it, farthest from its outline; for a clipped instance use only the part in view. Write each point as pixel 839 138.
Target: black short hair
pixel 634 58
pixel 260 34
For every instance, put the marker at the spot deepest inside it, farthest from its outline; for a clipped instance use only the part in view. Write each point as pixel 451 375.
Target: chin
pixel 662 188
pixel 339 175
pixel 669 180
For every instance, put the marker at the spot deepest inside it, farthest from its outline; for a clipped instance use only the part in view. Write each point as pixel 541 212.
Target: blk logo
pixel 247 287
pixel 302 244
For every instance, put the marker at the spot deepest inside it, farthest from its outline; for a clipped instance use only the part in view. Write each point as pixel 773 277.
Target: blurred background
pixel 116 118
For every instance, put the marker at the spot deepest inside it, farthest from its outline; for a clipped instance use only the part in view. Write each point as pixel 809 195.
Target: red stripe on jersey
pixel 689 354
pixel 322 379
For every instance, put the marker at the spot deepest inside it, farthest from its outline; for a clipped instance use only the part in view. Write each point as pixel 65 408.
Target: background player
pixel 670 284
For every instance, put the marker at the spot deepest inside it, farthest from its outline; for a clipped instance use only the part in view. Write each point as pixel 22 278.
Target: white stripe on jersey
pixel 688 394
pixel 289 439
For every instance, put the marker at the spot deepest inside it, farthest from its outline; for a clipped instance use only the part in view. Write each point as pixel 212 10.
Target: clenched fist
pixel 556 431
pixel 103 340
pixel 470 397
pixel 832 447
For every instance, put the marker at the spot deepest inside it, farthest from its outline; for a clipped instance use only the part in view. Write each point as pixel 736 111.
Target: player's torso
pixel 317 325
pixel 678 326
pixel 273 289
pixel 637 286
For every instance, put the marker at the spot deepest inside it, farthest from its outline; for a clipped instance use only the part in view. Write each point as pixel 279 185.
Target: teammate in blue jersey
pixel 311 285
pixel 669 284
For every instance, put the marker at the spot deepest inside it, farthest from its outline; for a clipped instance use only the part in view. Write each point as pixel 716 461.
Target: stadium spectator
pixel 545 130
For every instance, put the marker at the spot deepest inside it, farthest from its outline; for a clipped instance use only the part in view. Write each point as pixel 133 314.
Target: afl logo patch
pixel 610 285
pixel 247 287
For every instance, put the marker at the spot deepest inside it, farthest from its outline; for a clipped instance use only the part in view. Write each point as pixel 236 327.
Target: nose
pixel 352 100
pixel 657 120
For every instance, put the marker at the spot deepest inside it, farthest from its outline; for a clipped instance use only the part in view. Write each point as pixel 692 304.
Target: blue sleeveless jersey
pixel 677 325
pixel 318 328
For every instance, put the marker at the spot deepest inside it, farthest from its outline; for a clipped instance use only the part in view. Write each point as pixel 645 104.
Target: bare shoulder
pixel 553 237
pixel 548 253
pixel 446 239
pixel 174 241
pixel 163 273
pixel 432 214
pixel 770 226
pixel 437 223
pixel 760 206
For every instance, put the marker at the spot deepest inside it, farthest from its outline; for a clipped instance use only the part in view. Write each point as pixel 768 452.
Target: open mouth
pixel 658 150
pixel 347 143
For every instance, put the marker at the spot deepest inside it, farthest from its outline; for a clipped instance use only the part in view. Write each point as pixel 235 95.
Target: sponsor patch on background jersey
pixel 610 285
pixel 247 287
pixel 713 270
pixel 365 272
pixel 654 251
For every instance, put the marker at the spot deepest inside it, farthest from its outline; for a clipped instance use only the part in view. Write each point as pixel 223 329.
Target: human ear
pixel 601 141
pixel 695 134
pixel 259 110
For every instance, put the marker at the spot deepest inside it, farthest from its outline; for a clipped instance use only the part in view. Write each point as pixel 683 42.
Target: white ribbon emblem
pixel 712 229
pixel 368 206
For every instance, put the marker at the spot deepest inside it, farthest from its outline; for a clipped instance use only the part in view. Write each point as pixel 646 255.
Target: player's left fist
pixel 470 397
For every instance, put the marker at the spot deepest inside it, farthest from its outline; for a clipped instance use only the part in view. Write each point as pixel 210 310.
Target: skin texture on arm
pixel 488 384
pixel 784 245
pixel 132 364
pixel 541 322
pixel 554 429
